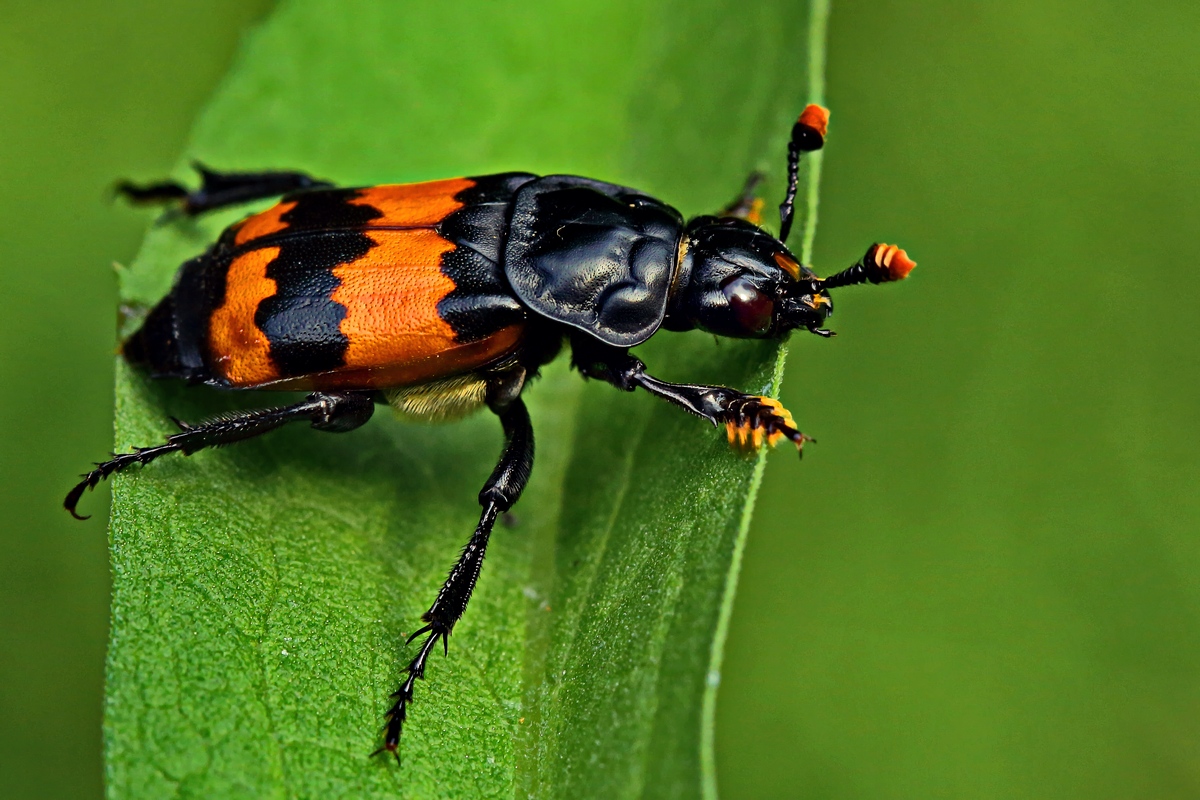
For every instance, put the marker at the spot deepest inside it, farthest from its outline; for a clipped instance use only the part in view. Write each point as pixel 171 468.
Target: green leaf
pixel 262 592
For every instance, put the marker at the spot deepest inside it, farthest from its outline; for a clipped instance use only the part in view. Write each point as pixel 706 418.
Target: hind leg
pixel 335 412
pixel 217 190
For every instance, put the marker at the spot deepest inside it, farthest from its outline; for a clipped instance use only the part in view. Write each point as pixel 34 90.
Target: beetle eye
pixel 752 309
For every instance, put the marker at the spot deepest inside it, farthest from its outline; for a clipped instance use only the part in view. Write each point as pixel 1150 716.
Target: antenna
pixel 883 263
pixel 808 134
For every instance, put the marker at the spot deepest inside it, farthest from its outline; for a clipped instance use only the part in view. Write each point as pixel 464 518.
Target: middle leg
pixel 499 494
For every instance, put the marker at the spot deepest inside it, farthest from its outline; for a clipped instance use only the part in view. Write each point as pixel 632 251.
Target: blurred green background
pixel 985 580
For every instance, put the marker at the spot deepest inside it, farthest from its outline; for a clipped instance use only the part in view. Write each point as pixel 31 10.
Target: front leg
pixel 747 205
pixel 749 420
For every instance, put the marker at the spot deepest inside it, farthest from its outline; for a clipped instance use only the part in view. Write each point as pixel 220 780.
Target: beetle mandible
pixel 443 297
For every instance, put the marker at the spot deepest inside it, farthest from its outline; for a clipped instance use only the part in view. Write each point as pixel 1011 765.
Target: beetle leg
pixel 335 412
pixel 217 190
pixel 750 420
pixel 497 496
pixel 747 205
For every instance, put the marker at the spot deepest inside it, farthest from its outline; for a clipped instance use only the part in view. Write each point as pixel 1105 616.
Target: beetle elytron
pixel 440 298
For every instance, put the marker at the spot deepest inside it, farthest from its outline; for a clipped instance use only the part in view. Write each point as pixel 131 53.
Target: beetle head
pixel 735 279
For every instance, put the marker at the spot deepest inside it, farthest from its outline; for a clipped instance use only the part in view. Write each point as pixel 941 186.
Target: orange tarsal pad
pixel 748 436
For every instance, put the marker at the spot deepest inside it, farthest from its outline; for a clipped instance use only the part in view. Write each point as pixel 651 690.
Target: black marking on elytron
pixel 481 302
pixel 173 339
pixel 328 209
pixel 301 320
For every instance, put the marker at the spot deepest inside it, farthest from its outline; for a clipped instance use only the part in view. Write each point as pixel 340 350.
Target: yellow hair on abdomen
pixel 446 400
